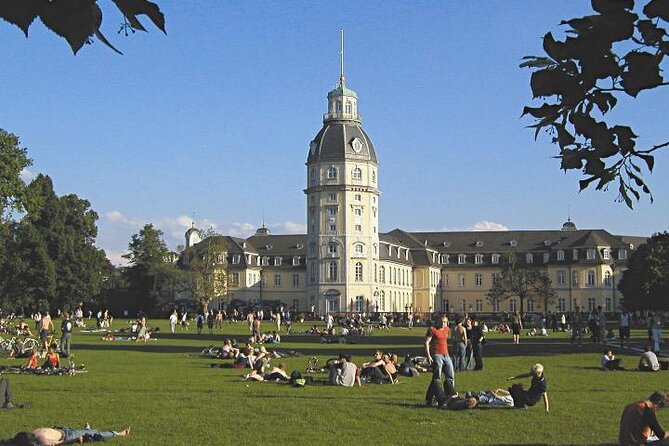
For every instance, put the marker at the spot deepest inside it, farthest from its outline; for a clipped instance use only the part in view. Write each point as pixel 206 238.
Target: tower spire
pixel 342 80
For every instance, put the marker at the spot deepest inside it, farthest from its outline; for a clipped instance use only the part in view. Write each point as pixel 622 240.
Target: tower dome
pixel 569 225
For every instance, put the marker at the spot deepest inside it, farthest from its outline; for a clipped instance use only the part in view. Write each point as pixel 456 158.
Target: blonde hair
pixel 537 369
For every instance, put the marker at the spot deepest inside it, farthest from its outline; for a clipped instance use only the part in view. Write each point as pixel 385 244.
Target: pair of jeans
pixel 460 355
pixel 442 368
pixel 657 336
pixel 65 343
pixel 71 435
pixel 5 392
pixel 477 349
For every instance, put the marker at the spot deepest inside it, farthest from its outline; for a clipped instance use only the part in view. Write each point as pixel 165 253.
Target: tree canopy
pixel 616 51
pixel 13 159
pixel 645 284
pixel 529 283
pixel 205 269
pixel 77 21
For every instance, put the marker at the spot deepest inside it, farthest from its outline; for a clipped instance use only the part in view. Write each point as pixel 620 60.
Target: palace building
pixel 343 263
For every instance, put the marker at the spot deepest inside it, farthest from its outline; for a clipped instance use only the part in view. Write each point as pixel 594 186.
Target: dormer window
pixel 560 254
pixel 264 261
pixel 478 258
pixel 547 257
pixel 606 254
pixel 591 253
pixel 462 259
pixel 574 254
pixel 495 259
pixel 296 260
pixel 622 254
pixel 479 243
pixel 235 259
pixel 444 259
pixel 277 261
pixel 529 258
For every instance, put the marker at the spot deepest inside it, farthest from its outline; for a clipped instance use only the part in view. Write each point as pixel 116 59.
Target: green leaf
pixel 642 72
pixel 649 159
pixel 657 8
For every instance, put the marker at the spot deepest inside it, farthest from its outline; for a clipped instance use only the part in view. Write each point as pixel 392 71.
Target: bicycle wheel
pixel 30 345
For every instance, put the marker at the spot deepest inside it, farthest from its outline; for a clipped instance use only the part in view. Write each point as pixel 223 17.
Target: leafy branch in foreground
pixel 77 21
pixel 606 54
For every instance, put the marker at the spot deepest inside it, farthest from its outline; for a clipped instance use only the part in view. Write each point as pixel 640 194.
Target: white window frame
pixel 462 259
pixel 591 254
pixel 359 272
pixel 529 257
pixel 478 279
pixel 356 174
pixel 332 173
pixel 478 259
pixel 560 254
pixel 495 259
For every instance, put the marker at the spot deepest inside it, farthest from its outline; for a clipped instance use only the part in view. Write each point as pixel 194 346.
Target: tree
pixel 67 227
pixel 523 283
pixel 645 283
pixel 30 274
pixel 13 159
pixel 77 21
pixel 151 277
pixel 613 52
pixel 206 269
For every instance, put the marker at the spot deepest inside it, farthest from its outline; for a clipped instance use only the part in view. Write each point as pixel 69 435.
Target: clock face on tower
pixel 357 145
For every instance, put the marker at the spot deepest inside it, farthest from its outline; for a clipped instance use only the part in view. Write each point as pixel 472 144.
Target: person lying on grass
pixel 495 398
pixel 275 374
pixel 538 388
pixel 46 436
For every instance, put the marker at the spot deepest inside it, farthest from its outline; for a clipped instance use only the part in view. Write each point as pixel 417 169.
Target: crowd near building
pixel 343 263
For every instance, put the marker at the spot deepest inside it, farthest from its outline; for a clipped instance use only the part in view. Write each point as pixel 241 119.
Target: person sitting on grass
pixel 275 374
pixel 52 361
pixel 648 361
pixel 33 360
pixel 342 372
pixel 538 389
pixel 390 367
pixel 373 371
pixel 228 351
pixel 46 436
pixel 638 422
pixel 610 362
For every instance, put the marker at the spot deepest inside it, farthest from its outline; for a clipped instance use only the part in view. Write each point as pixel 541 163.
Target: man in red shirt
pixel 638 422
pixel 436 350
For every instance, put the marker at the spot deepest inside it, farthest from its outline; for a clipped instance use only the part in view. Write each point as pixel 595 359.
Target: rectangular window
pixel 574 254
pixel 561 278
pixel 332 227
pixel 277 279
pixel 562 304
pixel 358 197
pixel 359 304
pixel 447 281
pixel 461 280
pixel 478 259
pixel 608 304
pixel 590 278
pixel 606 254
pixel 547 257
pixel 332 211
pixel 574 279
pixel 530 306
pixel 236 259
pixel 462 259
pixel 512 305
pixel 332 196
pixel 444 259
pixel 296 280
pixel 495 305
pixel 358 212
pixel 264 261
pixel 478 280
pixel 591 253
pixel 494 277
pixel 592 305
pixel 463 305
pixel 479 305
pixel 495 259
pixel 296 260
pixel 277 261
pixel 622 254
pixel 529 258
pixel 358 228
pixel 560 254
pixel 234 279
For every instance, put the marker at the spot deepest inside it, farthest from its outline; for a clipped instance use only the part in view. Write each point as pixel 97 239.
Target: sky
pixel 211 123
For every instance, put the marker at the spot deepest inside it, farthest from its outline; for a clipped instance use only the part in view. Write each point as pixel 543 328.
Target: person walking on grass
pixel 436 351
pixel 576 326
pixel 66 336
pixel 638 422
pixel 174 319
pixel 516 326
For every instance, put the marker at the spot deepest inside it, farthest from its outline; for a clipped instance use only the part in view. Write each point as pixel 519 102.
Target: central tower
pixel 342 207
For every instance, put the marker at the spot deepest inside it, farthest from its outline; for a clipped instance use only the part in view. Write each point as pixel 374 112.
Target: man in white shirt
pixel 648 361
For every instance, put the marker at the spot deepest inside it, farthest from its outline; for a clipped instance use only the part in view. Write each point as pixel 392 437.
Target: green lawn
pixel 171 396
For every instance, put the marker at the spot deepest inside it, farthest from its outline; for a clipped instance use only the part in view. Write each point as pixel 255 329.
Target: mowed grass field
pixel 169 395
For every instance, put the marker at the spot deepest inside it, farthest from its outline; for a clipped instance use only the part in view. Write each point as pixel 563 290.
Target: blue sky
pixel 213 121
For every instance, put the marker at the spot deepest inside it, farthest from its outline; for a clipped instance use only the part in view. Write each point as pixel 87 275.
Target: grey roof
pixel 333 143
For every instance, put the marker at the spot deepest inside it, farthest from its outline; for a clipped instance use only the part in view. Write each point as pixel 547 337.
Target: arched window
pixel 358 272
pixel 607 278
pixel 332 173
pixel 332 271
pixel 332 248
pixel 357 173
pixel 359 249
pixel 590 278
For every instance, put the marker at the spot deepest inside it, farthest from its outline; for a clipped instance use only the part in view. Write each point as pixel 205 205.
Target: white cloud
pixel 116 258
pixel 27 175
pixel 117 218
pixel 486 225
pixel 288 227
